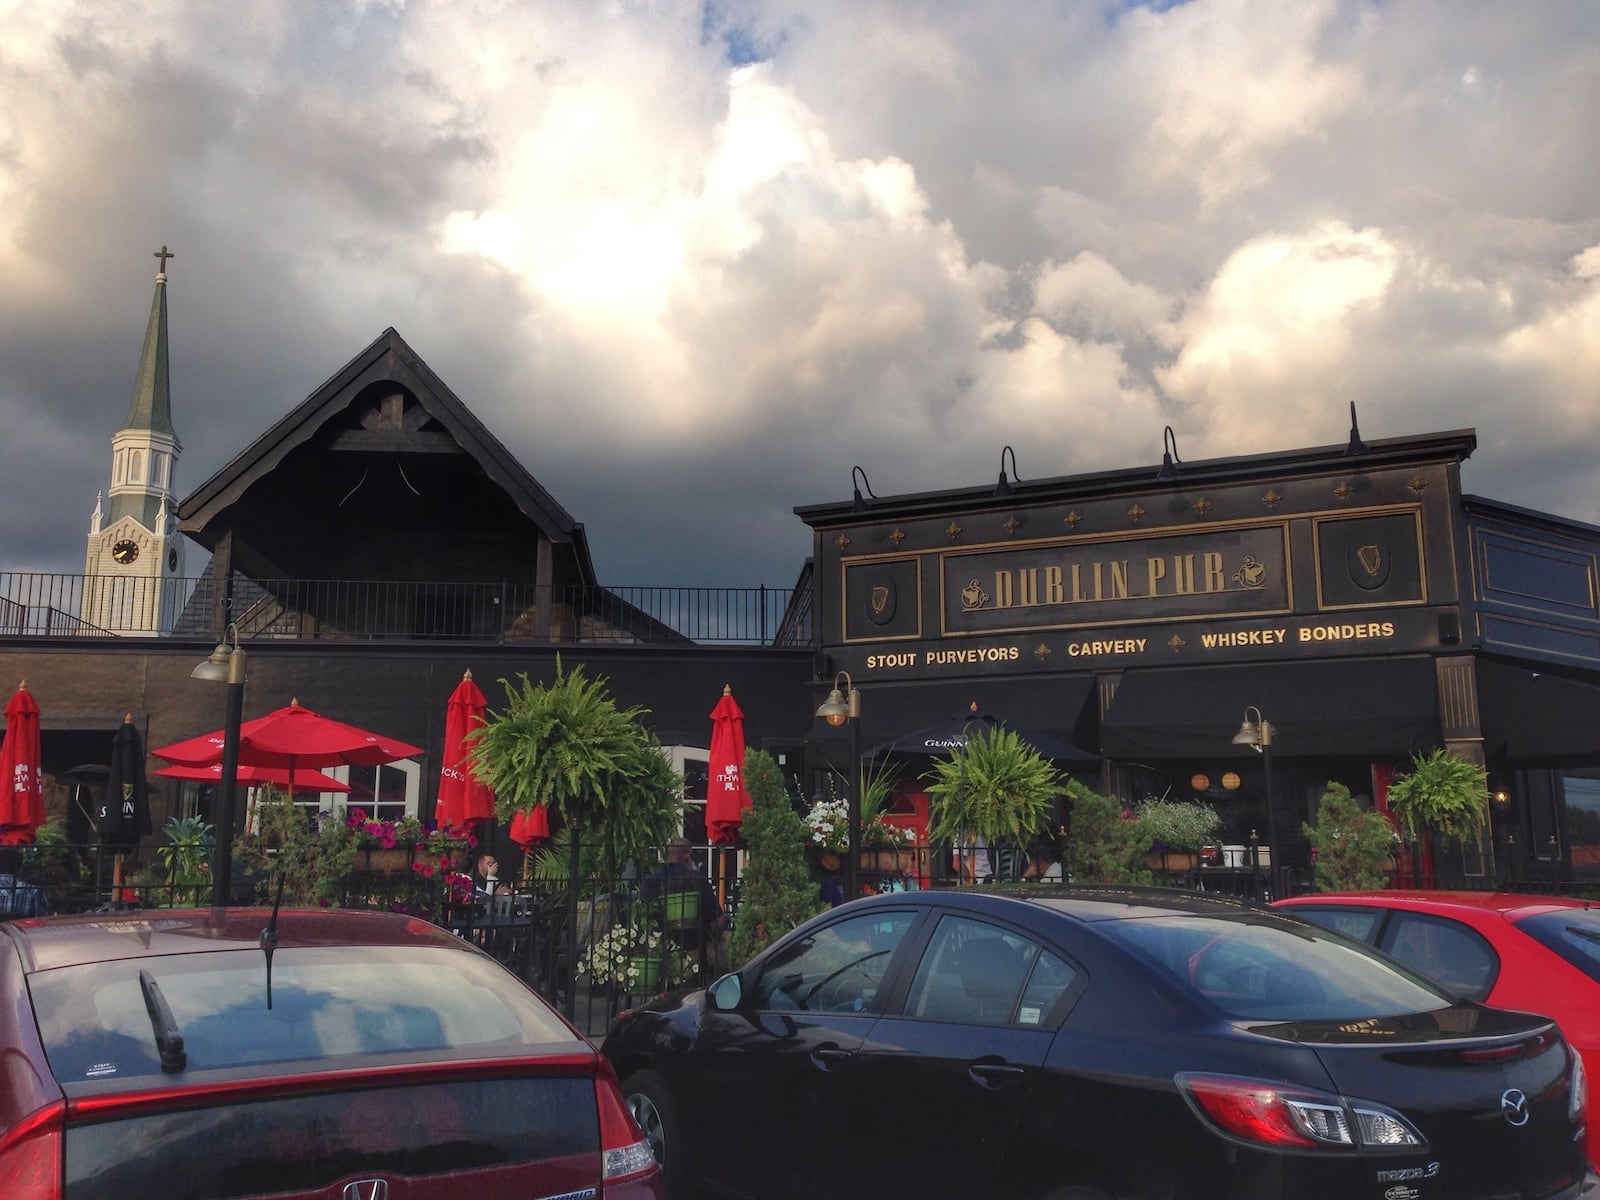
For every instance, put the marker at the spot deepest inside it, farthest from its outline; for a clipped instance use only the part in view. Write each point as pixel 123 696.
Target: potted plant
pixel 186 860
pixel 635 956
pixel 1175 830
pixel 1442 793
pixel 1352 848
pixel 995 788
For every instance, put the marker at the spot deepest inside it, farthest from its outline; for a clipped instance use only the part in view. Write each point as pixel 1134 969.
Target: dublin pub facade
pixel 1350 593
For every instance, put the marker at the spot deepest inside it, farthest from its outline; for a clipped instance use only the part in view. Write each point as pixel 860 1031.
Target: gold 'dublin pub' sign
pixel 1240 573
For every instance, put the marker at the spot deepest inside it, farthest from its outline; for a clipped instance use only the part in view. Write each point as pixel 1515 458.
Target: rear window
pixel 328 1003
pixel 1573 934
pixel 300 1143
pixel 1271 971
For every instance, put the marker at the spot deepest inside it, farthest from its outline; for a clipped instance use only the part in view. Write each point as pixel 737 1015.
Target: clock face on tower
pixel 125 552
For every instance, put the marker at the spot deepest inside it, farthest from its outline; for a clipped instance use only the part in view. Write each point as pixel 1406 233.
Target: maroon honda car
pixel 167 1054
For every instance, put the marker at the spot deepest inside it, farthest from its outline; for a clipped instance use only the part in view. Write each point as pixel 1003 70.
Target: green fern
pixel 995 787
pixel 1442 793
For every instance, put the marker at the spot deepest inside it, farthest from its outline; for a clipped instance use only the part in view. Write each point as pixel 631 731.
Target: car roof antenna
pixel 269 935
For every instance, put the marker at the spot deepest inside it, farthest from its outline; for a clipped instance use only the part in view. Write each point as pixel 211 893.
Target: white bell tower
pixel 133 568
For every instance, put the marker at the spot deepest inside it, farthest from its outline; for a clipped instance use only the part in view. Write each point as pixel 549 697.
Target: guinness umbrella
pixel 951 734
pixel 726 797
pixel 303 780
pixel 463 798
pixel 124 814
pixel 21 802
pixel 293 737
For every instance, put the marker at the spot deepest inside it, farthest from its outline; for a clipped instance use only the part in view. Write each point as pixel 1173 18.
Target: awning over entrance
pixel 1532 716
pixel 1362 707
pixel 1055 705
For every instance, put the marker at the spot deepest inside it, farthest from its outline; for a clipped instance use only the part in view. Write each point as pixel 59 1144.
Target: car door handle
pixel 995 1074
pixel 826 1058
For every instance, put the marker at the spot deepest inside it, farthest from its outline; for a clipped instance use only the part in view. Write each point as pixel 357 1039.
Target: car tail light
pixel 1276 1114
pixel 624 1149
pixel 1578 1101
pixel 30 1155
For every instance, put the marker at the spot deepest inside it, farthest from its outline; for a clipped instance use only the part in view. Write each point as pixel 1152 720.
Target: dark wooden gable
pixel 383 474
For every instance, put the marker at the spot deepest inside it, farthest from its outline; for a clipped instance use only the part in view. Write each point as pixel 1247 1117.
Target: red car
pixel 1533 953
pixel 164 1054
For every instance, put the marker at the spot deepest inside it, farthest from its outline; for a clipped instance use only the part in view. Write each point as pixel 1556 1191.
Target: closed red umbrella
pixel 530 828
pixel 21 801
pixel 726 797
pixel 293 737
pixel 463 797
pixel 304 780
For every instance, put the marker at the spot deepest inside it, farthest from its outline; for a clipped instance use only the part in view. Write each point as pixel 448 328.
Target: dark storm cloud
pixel 693 262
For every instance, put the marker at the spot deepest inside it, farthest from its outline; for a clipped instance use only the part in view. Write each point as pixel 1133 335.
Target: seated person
pixel 18 899
pixel 486 875
pixel 1043 864
pixel 679 874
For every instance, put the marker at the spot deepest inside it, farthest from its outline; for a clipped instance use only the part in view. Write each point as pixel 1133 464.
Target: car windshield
pixel 327 1002
pixel 1271 970
pixel 1572 933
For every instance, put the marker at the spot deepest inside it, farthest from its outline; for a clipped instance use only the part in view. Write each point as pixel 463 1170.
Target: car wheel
pixel 651 1105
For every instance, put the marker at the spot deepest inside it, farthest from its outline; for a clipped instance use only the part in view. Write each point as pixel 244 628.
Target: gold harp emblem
pixel 1371 558
pixel 880 598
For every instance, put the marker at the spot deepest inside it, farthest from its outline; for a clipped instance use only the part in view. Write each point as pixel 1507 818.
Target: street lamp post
pixel 226 665
pixel 1257 733
pixel 839 708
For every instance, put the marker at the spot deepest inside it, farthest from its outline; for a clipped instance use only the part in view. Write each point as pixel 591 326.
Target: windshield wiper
pixel 168 1040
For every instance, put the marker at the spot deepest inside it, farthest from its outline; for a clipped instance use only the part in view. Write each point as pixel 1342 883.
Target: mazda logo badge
pixel 1514 1107
pixel 369 1189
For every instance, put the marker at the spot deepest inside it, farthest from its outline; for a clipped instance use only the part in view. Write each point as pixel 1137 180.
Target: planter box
pixel 1171 862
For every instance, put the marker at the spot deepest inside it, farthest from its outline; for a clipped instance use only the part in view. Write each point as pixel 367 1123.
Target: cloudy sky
pixel 692 262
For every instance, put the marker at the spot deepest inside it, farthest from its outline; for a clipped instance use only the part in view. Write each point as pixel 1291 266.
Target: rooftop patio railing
pixel 56 605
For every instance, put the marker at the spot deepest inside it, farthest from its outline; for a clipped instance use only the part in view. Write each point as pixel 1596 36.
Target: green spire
pixel 152 402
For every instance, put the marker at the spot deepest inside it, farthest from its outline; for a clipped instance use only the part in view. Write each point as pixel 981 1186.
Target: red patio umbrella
pixel 463 797
pixel 21 801
pixel 304 780
pixel 293 737
pixel 726 797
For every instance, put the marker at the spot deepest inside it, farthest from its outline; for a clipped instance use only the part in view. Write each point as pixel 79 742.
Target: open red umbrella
pixel 21 801
pixel 293 737
pixel 463 797
pixel 726 797
pixel 304 780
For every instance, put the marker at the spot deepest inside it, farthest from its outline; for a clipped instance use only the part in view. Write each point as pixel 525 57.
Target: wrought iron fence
pixel 54 605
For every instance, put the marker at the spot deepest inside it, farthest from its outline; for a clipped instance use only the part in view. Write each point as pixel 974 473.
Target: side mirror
pixel 726 993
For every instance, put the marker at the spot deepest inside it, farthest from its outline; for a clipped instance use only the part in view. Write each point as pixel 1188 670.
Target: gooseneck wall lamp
pixel 1169 455
pixel 1004 486
pixel 840 708
pixel 1257 733
pixel 226 665
pixel 858 481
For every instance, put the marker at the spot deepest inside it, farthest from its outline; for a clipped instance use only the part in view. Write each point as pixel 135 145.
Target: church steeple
pixel 151 409
pixel 133 536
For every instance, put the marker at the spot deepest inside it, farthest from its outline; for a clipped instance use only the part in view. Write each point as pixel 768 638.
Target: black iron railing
pixel 54 605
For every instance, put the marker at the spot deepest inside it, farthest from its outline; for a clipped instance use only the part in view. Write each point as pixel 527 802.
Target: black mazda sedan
pixel 1082 1044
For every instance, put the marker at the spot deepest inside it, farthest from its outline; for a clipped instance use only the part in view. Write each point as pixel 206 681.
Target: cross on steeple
pixel 163 254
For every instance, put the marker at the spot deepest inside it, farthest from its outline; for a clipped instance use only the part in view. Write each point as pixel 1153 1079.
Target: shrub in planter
pixel 1104 841
pixel 1353 847
pixel 1180 826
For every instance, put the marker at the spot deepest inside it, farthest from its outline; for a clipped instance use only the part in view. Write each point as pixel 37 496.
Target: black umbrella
pixel 123 815
pixel 951 734
pixel 81 819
